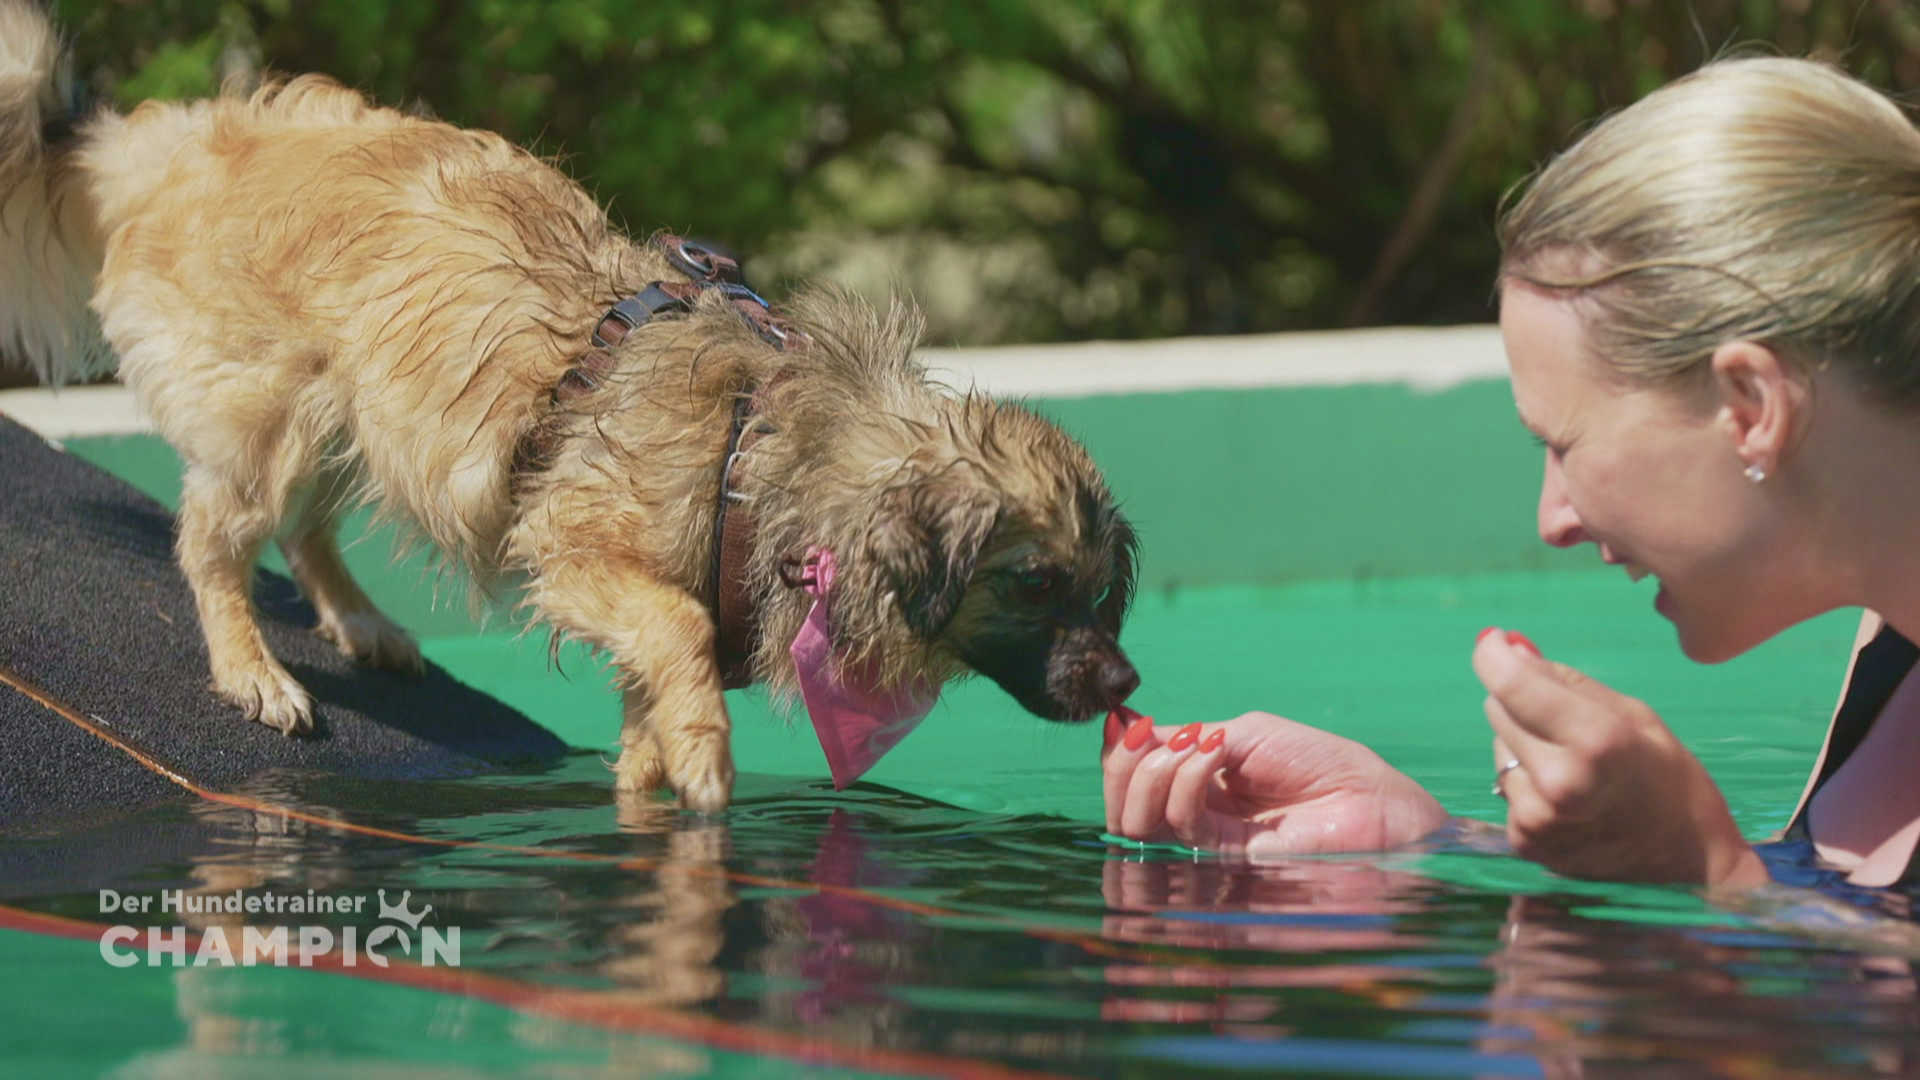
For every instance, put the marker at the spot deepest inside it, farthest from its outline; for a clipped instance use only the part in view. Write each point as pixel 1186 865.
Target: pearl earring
pixel 1755 473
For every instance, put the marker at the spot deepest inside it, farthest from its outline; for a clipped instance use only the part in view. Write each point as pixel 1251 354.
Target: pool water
pixel 959 913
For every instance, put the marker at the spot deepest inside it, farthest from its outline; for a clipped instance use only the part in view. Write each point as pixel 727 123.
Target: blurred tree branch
pixel 1055 168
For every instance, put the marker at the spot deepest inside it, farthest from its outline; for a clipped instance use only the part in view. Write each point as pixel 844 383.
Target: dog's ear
pixel 926 538
pixel 1113 608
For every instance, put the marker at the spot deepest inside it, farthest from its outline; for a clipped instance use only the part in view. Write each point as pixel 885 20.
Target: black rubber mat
pixel 94 612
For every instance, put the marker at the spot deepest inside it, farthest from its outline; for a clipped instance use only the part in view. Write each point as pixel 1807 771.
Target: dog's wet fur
pixel 320 303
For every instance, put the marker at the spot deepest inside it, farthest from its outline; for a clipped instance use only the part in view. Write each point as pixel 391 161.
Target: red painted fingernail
pixel 1116 727
pixel 1212 742
pixel 1482 636
pixel 1519 641
pixel 1139 733
pixel 1184 738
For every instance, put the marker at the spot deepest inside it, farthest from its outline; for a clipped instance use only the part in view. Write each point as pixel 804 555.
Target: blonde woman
pixel 1711 309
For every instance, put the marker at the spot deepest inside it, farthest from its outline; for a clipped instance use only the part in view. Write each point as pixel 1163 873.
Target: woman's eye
pixel 1551 449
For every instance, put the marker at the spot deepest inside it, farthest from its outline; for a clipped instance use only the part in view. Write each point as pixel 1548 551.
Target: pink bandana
pixel 857 720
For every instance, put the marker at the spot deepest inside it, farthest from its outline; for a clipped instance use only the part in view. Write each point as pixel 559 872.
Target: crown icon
pixel 399 913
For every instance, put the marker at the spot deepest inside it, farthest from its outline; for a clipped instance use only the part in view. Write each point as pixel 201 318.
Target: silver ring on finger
pixel 1501 774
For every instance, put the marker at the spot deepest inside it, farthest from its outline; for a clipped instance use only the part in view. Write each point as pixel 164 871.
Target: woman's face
pixel 1650 476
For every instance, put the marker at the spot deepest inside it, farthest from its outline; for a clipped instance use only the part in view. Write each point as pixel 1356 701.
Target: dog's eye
pixel 1035 584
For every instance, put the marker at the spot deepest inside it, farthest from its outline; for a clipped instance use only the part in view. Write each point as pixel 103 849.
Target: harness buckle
pixel 696 260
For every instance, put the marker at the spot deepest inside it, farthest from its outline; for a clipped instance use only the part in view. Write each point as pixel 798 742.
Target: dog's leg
pixel 348 618
pixel 676 725
pixel 222 530
pixel 641 770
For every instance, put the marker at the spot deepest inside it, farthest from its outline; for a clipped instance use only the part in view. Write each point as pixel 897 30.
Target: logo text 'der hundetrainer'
pixel 272 934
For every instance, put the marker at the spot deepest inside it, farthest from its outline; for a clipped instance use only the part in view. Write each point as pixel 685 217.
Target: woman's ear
pixel 1762 402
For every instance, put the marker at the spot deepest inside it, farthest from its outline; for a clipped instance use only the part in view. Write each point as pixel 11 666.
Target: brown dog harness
pixel 736 618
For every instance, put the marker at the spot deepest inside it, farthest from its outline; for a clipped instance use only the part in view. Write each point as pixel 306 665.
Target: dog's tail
pixel 49 243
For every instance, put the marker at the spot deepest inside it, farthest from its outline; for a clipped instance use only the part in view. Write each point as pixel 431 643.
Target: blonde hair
pixel 1760 199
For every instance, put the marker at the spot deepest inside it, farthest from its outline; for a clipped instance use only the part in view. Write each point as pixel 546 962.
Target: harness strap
pixel 735 616
pixel 730 597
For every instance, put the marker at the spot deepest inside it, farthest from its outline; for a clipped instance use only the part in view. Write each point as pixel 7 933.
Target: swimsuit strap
pixel 1877 672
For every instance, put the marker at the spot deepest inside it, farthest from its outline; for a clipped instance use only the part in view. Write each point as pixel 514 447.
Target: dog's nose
pixel 1118 679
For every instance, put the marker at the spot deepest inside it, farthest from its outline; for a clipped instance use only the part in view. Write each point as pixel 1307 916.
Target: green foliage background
pixel 1031 169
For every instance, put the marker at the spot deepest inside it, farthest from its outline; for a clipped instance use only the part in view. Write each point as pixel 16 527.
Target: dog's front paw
pixel 370 638
pixel 701 773
pixel 639 771
pixel 268 694
pixel 700 776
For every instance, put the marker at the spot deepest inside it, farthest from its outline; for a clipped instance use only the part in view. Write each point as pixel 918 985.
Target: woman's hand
pixel 1602 789
pixel 1257 785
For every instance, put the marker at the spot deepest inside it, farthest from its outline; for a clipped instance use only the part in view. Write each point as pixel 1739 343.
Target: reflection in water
pixel 832 960
pixel 665 954
pixel 1309 923
pixel 251 849
pixel 934 931
pixel 1596 997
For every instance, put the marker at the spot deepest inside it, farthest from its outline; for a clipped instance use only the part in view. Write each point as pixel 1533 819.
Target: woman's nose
pixel 1559 522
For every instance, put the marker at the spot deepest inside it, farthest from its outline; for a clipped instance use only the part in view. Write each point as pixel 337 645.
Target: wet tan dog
pixel 319 302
